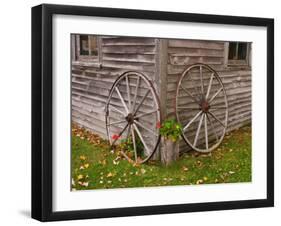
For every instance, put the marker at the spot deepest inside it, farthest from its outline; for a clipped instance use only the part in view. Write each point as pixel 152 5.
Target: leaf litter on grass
pixel 229 163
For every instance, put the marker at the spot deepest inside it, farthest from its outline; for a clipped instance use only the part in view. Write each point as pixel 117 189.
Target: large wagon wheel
pixel 132 113
pixel 201 99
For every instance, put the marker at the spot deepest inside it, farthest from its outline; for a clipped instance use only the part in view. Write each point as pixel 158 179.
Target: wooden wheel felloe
pixel 201 107
pixel 132 113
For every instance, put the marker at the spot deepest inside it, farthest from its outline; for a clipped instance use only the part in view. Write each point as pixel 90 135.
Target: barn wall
pixel 236 80
pixel 91 83
pixel 163 61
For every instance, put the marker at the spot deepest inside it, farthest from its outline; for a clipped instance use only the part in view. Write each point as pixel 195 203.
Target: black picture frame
pixel 42 107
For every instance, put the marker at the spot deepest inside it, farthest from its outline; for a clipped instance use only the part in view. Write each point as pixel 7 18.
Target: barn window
pixel 238 53
pixel 85 48
pixel 88 45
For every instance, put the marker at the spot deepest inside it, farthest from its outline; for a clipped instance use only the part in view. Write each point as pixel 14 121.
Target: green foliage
pixel 170 129
pixel 128 145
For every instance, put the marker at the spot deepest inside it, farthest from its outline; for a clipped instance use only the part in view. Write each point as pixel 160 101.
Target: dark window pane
pixel 232 50
pixel 242 51
pixel 84 45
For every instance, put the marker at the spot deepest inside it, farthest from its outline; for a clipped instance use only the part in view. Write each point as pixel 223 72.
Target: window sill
pixel 237 67
pixel 95 64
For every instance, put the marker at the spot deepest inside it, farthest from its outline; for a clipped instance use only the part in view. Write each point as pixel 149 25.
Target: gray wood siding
pixel 236 80
pixel 91 84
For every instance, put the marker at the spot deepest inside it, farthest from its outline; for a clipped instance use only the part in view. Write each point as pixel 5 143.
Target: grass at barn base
pixel 94 166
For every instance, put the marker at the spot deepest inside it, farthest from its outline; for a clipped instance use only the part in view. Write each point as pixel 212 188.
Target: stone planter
pixel 169 151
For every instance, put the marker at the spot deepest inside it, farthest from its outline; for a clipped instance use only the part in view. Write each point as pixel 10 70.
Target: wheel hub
pixel 130 118
pixel 205 106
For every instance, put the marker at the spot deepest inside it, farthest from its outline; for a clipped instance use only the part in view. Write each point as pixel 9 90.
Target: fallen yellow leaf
pixel 199 163
pixel 86 165
pixel 80 176
pixel 200 181
pixel 115 162
pixel 109 174
pixel 82 157
pixel 84 184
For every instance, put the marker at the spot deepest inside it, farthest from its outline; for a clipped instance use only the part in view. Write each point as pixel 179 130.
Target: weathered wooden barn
pixel 97 61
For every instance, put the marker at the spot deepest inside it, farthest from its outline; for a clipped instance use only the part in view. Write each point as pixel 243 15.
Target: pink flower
pixel 115 137
pixel 158 125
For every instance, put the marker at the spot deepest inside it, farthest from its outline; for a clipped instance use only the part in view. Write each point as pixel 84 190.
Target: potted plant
pixel 170 131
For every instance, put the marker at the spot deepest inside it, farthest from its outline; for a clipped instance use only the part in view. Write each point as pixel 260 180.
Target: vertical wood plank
pixel 226 49
pixel 73 56
pixel 99 44
pixel 77 45
pixel 162 55
pixel 89 45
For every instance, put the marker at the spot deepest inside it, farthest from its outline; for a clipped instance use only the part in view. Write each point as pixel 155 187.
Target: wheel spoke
pixel 145 114
pixel 117 110
pixel 213 128
pixel 202 82
pixel 198 131
pixel 189 108
pixel 209 86
pixel 122 99
pixel 192 120
pixel 215 117
pixel 147 129
pixel 141 138
pixel 214 96
pixel 128 132
pixel 206 132
pixel 134 143
pixel 189 94
pixel 124 154
pixel 218 108
pixel 128 91
pixel 142 100
pixel 120 134
pixel 116 122
pixel 136 94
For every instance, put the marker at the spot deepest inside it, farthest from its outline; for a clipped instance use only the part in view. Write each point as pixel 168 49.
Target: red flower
pixel 115 137
pixel 158 125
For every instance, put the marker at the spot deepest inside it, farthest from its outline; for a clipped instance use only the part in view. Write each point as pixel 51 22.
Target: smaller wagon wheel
pixel 201 107
pixel 132 115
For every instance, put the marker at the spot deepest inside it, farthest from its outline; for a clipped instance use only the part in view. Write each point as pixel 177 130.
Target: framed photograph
pixel 146 112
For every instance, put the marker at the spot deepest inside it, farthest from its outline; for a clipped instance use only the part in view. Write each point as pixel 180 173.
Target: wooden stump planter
pixel 169 151
pixel 171 133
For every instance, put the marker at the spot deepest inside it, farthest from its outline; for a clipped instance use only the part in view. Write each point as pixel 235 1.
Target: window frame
pixel 78 58
pixel 232 62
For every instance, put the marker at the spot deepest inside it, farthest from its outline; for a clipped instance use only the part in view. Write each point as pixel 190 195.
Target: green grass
pixel 96 167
